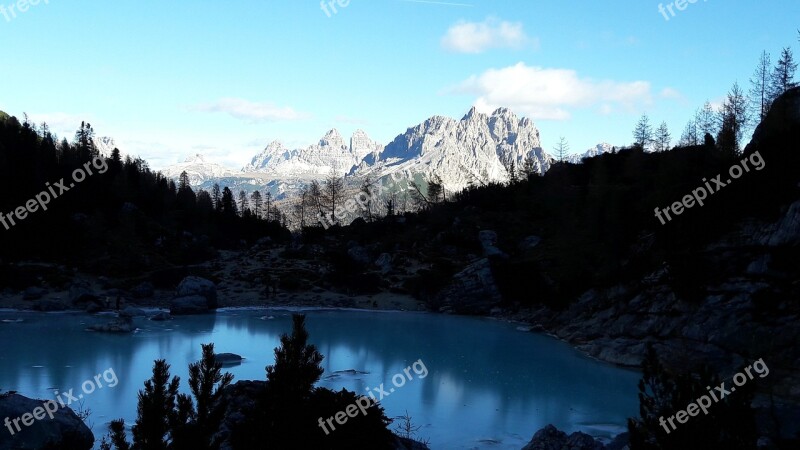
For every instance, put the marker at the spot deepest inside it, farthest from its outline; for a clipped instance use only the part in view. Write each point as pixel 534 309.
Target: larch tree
pixel 662 138
pixel 783 75
pixel 689 136
pixel 255 197
pixel 561 149
pixel 760 97
pixel 733 118
pixel 706 120
pixel 643 133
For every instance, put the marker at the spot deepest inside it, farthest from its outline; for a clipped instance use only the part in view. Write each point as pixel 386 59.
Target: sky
pixel 168 80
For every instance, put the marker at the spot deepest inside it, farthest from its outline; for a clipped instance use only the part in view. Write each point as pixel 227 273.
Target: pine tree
pixel 298 364
pixel 207 383
pixel 156 409
pixel 228 203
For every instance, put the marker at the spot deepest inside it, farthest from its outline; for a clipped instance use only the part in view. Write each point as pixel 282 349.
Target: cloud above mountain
pixel 549 93
pixel 249 111
pixel 492 33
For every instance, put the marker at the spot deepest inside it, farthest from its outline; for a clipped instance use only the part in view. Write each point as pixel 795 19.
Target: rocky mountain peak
pixel 332 139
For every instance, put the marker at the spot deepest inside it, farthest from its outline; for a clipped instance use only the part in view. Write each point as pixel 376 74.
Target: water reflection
pixel 486 381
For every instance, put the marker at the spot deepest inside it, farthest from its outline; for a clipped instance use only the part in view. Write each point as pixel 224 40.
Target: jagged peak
pixel 276 144
pixel 331 138
pixel 504 112
pixel 197 157
pixel 473 112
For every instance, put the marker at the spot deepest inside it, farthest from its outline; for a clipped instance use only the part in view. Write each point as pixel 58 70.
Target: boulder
pixel 786 232
pixel 92 308
pixel 48 306
pixel 359 254
pixel 228 359
pixel 161 316
pixel 384 263
pixel 488 239
pixel 65 430
pixel 193 304
pixel 143 290
pixel 529 243
pixel 550 438
pixel 120 325
pixel 81 292
pixel 195 286
pixel 473 290
pixel 33 293
pixel 130 311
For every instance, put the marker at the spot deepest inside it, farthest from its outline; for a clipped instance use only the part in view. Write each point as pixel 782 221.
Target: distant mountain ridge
pixel 473 150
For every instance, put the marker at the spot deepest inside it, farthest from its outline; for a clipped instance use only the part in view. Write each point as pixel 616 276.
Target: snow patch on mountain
pixel 597 150
pixel 199 170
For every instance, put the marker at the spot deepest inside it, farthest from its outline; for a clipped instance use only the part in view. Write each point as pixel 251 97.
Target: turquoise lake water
pixel 488 384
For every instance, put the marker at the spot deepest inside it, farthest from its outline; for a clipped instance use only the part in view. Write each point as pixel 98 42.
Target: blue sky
pixel 170 79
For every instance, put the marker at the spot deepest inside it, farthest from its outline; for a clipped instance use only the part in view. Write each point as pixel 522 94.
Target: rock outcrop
pixel 64 431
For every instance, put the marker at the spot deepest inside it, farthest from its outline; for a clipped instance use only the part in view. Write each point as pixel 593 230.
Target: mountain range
pixel 473 150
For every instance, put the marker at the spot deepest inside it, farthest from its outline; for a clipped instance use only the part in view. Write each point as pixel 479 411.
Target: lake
pixel 488 384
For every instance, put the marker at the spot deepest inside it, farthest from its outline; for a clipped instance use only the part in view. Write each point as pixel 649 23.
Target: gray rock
pixel 161 316
pixel 621 442
pixel 81 292
pixel 784 232
pixel 143 290
pixel 120 325
pixel 359 254
pixel 529 243
pixel 33 293
pixel 193 304
pixel 48 306
pixel 228 359
pixel 550 438
pixel 488 239
pixel 130 311
pixel 473 290
pixel 65 430
pixel 384 263
pixel 92 308
pixel 196 286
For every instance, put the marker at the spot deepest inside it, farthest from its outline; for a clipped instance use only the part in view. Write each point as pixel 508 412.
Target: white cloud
pixel 542 93
pixel 477 37
pixel 251 111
